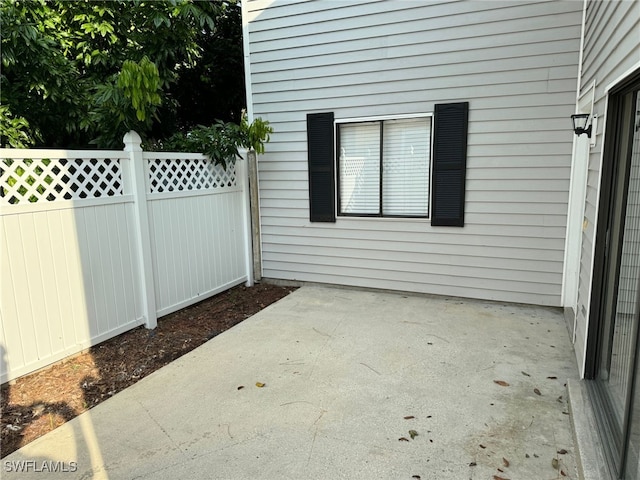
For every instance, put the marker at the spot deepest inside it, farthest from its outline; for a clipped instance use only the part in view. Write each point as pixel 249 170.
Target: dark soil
pixel 37 403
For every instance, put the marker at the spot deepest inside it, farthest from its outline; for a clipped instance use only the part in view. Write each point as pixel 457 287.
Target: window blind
pixel 360 168
pixel 406 151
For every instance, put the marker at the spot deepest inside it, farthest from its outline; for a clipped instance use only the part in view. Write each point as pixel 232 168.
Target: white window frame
pixel 382 118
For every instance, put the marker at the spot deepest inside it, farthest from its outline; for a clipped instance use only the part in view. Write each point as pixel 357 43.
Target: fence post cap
pixel 132 142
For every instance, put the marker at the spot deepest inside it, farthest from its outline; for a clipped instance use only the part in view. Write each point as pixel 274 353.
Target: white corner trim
pixel 247 60
pixel 581 51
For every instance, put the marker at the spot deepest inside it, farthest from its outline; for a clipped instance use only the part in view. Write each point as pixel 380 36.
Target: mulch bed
pixel 37 403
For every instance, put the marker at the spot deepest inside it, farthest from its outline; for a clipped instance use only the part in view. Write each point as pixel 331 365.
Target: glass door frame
pixel 614 441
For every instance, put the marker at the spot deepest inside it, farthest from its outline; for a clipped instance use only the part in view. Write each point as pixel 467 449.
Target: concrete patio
pixel 357 384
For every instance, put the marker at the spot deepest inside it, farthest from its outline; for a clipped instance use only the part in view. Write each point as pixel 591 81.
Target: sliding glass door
pixel 618 314
pixel 630 289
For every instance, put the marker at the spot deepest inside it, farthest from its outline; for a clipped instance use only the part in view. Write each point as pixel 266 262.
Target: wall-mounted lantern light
pixel 581 124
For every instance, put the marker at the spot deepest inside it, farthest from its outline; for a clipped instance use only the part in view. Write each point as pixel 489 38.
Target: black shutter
pixel 449 164
pixel 320 143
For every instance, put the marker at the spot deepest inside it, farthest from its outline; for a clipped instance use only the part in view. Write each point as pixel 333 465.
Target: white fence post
pixel 137 172
pixel 243 173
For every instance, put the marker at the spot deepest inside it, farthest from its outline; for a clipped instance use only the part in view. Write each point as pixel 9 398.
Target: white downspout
pixel 570 206
pixel 580 60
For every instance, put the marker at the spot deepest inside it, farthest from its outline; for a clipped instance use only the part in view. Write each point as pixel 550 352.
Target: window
pixel 383 167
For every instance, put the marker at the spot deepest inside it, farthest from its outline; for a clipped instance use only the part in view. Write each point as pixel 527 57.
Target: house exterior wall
pixel 611 49
pixel 516 64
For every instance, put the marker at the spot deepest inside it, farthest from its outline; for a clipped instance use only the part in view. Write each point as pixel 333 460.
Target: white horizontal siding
pixel 611 48
pixel 450 286
pixel 446 21
pixel 515 62
pixel 486 173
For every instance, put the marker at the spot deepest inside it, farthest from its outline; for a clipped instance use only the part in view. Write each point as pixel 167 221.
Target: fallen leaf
pixel 482 446
pixel 496 477
pixel 502 383
pixel 403 439
pixel 552 378
pixel 240 387
pixel 555 463
pixel 473 464
pixel 500 470
pixel 409 417
pixel 525 374
pixel 260 384
pixel 562 473
pixel 413 434
pixel 562 451
pixel 536 391
pixel 505 462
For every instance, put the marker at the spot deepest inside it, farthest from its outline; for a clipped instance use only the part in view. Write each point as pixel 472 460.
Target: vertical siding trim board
pixel 246 49
pixel 449 163
pixel 320 145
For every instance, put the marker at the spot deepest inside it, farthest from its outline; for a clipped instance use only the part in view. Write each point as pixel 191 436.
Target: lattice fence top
pixel 47 180
pixel 169 175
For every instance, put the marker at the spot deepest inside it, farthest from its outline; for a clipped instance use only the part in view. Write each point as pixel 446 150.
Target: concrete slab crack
pixel 315 434
pixel 173 442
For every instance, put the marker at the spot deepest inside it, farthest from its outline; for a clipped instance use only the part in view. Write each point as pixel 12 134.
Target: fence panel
pixel 69 271
pixel 72 254
pixel 197 230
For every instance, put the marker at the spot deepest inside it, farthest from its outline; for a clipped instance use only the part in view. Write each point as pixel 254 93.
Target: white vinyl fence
pixel 94 243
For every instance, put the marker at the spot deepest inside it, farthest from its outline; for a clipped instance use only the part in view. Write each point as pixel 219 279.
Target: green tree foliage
pixel 214 85
pixel 220 141
pixel 128 101
pixel 75 73
pixel 15 131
